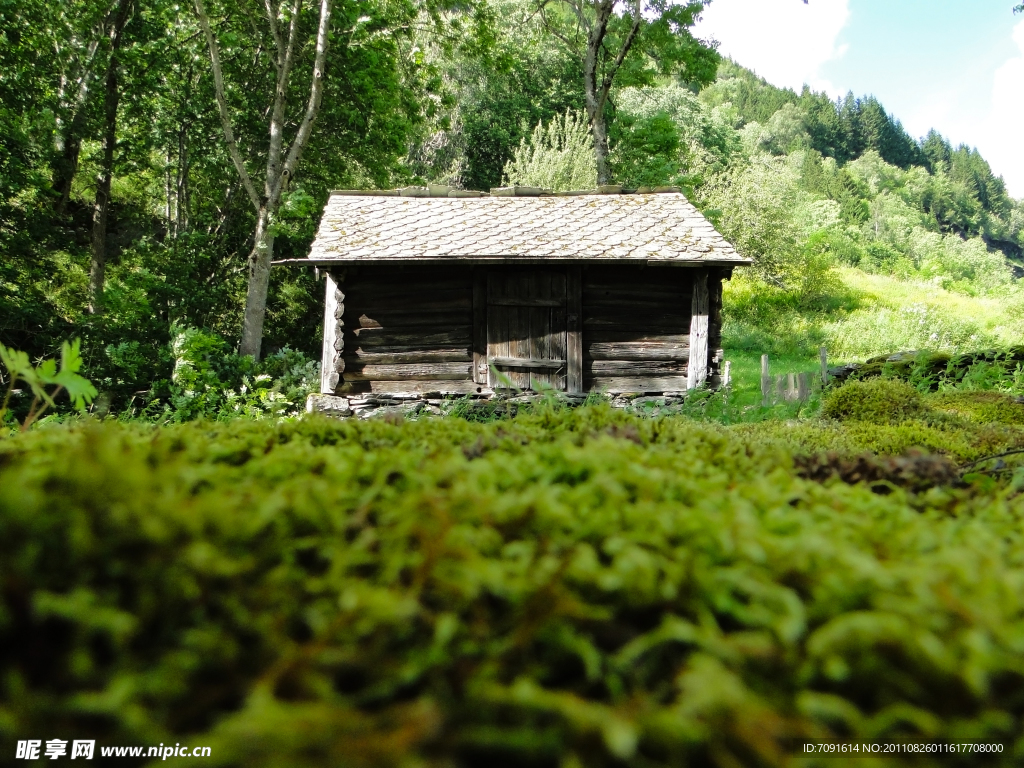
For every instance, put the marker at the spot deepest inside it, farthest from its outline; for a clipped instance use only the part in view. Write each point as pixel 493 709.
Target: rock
pixel 329 405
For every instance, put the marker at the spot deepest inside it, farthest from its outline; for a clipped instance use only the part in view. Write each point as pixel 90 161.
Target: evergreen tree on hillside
pixel 886 135
pixel 828 134
pixel 937 151
pixel 969 168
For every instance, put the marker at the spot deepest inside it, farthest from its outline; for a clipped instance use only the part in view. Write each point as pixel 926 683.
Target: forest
pixel 126 222
pixel 186 557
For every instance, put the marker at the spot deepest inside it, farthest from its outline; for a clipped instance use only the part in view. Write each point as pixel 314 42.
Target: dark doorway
pixel 526 328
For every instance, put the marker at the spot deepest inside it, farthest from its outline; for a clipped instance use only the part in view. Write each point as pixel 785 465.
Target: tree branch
pixel 277 110
pixel 275 32
pixel 623 51
pixel 316 92
pixel 222 105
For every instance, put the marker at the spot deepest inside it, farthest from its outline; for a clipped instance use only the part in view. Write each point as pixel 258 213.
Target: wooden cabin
pixel 431 290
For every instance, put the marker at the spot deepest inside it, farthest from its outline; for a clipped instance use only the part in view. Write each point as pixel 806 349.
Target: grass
pixel 864 316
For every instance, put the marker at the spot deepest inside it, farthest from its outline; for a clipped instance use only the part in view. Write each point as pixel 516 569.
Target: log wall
pixel 422 329
pixel 636 328
pixel 408 329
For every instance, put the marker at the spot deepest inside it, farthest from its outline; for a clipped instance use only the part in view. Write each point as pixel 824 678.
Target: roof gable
pixel 650 228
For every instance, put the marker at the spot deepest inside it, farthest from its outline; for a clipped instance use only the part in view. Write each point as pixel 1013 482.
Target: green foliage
pixel 980 407
pixel 46 374
pixel 646 151
pixel 566 588
pixel 559 157
pixel 210 381
pixel 878 401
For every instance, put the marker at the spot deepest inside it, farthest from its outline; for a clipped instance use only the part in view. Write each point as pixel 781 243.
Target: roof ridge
pixel 440 190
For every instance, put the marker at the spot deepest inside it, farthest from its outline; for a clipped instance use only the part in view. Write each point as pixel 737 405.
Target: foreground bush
pixel 880 401
pixel 562 589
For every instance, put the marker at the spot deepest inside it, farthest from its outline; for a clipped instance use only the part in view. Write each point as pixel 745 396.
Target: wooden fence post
pixel 726 374
pixel 803 387
pixel 766 382
pixel 823 354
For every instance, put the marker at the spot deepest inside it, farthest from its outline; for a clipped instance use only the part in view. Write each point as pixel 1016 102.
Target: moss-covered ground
pixel 562 588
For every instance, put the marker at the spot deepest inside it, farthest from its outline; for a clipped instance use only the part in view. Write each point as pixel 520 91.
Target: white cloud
pixel 784 41
pixel 1002 139
pixel 993 121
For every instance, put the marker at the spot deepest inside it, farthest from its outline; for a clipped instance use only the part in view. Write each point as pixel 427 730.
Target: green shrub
pixel 879 401
pixel 979 407
pixel 564 588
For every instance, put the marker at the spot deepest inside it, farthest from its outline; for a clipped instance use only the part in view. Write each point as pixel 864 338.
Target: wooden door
pixel 526 328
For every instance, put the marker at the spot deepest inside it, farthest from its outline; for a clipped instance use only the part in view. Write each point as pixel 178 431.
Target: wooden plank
pixel 636 384
pixel 547 331
pixel 803 387
pixel 525 301
pixel 412 318
pixel 425 387
pixel 574 329
pixel 519 362
pixel 519 344
pixel 480 327
pixel 628 350
pixel 766 382
pixel 716 356
pixel 597 278
pixel 397 340
pixel 638 321
pixel 443 301
pixel 359 357
pixel 404 285
pixel 636 336
pixel 697 371
pixel 410 372
pixel 647 303
pixel 632 368
pixel 497 338
pixel 329 376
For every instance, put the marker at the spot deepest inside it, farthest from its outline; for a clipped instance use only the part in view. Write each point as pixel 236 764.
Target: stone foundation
pixel 414 404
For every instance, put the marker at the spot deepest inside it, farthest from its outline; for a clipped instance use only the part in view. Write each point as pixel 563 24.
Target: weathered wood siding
pixel 716 355
pixel 408 330
pixel 636 328
pixel 425 329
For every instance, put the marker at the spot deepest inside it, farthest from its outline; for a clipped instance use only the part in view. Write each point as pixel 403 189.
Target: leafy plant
pixel 46 381
pixel 559 156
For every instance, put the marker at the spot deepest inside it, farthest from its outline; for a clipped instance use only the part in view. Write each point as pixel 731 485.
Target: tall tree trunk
pixel 68 138
pixel 593 93
pixel 66 167
pixel 259 281
pixel 101 209
pixel 595 86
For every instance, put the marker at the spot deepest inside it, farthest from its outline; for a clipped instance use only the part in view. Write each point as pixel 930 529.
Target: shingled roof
pixel 516 225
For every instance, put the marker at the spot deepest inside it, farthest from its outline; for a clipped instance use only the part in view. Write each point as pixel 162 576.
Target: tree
pixel 282 160
pixel 111 98
pixel 631 42
pixel 558 158
pixel 297 40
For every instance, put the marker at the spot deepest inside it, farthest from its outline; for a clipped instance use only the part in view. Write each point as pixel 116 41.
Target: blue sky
pixel 955 65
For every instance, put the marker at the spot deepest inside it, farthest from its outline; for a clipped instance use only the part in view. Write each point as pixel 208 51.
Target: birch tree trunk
pixel 101 208
pixel 281 164
pixel 593 16
pixel 69 118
